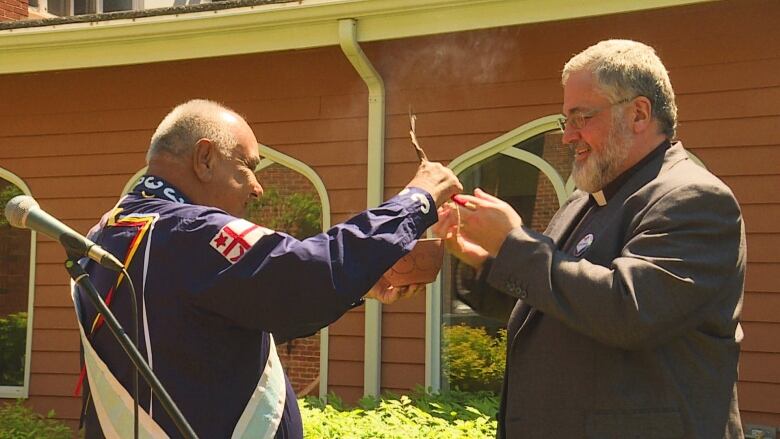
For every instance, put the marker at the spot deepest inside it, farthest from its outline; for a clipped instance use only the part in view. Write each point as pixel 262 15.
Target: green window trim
pixel 23 391
pixel 504 144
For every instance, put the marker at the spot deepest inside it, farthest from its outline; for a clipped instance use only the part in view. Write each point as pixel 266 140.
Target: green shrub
pixel 6 194
pixel 19 422
pixel 13 344
pixel 472 359
pixel 419 416
pixel 298 214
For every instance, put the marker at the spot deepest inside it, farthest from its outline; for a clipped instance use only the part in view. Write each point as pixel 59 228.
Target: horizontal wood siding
pixel 77 136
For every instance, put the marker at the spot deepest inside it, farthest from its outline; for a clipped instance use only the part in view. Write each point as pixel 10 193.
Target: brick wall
pixel 286 182
pixel 11 10
pixel 14 278
pixel 301 360
pixel 560 158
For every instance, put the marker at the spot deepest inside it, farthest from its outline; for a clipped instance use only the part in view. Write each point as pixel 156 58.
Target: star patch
pixel 236 237
pixel 584 244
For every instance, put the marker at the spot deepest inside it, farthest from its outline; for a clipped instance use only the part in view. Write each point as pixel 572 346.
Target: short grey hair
pixel 625 69
pixel 189 122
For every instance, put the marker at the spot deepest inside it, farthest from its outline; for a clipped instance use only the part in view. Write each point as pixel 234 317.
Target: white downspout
pixel 372 360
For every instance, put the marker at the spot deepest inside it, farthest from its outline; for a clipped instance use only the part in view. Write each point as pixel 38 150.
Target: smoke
pixel 474 57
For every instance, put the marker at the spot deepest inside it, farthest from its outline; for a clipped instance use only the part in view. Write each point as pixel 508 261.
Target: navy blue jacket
pixel 210 290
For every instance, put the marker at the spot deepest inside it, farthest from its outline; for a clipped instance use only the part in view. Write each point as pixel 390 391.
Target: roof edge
pixel 253 26
pixel 51 21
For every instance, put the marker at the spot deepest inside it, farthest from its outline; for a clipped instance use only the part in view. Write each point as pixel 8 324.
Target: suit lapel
pixel 564 219
pixel 648 172
pixel 561 222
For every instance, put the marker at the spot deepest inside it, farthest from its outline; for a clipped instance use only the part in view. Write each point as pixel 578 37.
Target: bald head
pixel 185 125
pixel 209 153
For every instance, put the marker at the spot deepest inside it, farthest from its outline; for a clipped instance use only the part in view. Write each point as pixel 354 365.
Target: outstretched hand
pixel 488 222
pixel 437 180
pixel 448 230
pixel 384 292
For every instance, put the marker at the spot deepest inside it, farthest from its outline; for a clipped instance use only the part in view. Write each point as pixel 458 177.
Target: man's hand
pixel 463 249
pixel 437 180
pixel 489 222
pixel 388 294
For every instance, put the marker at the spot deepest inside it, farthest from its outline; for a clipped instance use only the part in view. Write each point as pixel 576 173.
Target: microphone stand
pixel 81 278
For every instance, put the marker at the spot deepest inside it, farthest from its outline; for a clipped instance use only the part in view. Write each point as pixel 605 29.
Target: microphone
pixel 24 212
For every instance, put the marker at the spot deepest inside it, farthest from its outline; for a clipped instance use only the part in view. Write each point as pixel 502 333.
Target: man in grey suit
pixel 626 322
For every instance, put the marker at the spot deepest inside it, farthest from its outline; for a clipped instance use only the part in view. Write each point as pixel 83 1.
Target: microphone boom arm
pixel 81 278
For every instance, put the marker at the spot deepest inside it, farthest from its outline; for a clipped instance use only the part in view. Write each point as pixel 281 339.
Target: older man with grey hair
pixel 625 312
pixel 214 290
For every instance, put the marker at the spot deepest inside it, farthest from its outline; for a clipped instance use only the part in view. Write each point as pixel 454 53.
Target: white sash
pixel 114 405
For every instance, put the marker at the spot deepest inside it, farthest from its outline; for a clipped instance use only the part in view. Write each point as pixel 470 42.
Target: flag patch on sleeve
pixel 236 238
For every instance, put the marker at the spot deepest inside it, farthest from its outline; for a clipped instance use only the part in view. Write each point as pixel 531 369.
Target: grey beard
pixel 601 168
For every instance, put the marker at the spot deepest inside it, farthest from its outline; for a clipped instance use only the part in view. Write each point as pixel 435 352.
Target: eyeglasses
pixel 580 118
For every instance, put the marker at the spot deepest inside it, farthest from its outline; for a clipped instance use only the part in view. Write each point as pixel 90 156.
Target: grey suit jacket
pixel 638 337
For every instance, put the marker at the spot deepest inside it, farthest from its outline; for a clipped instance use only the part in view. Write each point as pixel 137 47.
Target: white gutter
pixel 372 358
pixel 274 27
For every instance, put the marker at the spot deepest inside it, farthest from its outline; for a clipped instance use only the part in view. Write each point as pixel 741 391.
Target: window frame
pixel 23 391
pixel 504 144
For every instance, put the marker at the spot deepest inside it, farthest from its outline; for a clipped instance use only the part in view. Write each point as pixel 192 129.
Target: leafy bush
pixel 298 214
pixel 431 416
pixel 13 344
pixel 6 194
pixel 472 359
pixel 19 422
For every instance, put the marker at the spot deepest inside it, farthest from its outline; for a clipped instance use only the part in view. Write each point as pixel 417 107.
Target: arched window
pixel 291 204
pixel 527 167
pixel 17 275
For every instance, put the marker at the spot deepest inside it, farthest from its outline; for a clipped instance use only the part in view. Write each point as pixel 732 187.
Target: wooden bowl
pixel 419 266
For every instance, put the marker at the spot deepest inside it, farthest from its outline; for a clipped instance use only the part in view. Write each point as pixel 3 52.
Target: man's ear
pixel 643 114
pixel 204 159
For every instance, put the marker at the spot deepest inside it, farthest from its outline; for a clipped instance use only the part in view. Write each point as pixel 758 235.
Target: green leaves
pixel 422 415
pixel 6 193
pixel 298 214
pixel 13 345
pixel 19 422
pixel 472 359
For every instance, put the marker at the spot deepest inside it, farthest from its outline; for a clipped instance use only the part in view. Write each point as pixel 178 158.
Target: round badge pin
pixel 584 243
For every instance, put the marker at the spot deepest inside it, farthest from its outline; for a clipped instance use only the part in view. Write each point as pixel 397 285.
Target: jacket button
pixel 513 287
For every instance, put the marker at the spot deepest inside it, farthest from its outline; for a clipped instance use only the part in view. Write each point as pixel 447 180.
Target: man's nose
pixel 570 135
pixel 257 189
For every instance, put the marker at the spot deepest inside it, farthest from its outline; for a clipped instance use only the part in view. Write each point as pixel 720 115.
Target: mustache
pixel 574 145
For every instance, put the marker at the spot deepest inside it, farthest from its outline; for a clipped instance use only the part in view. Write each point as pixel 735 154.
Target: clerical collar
pixel 150 186
pixel 601 197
